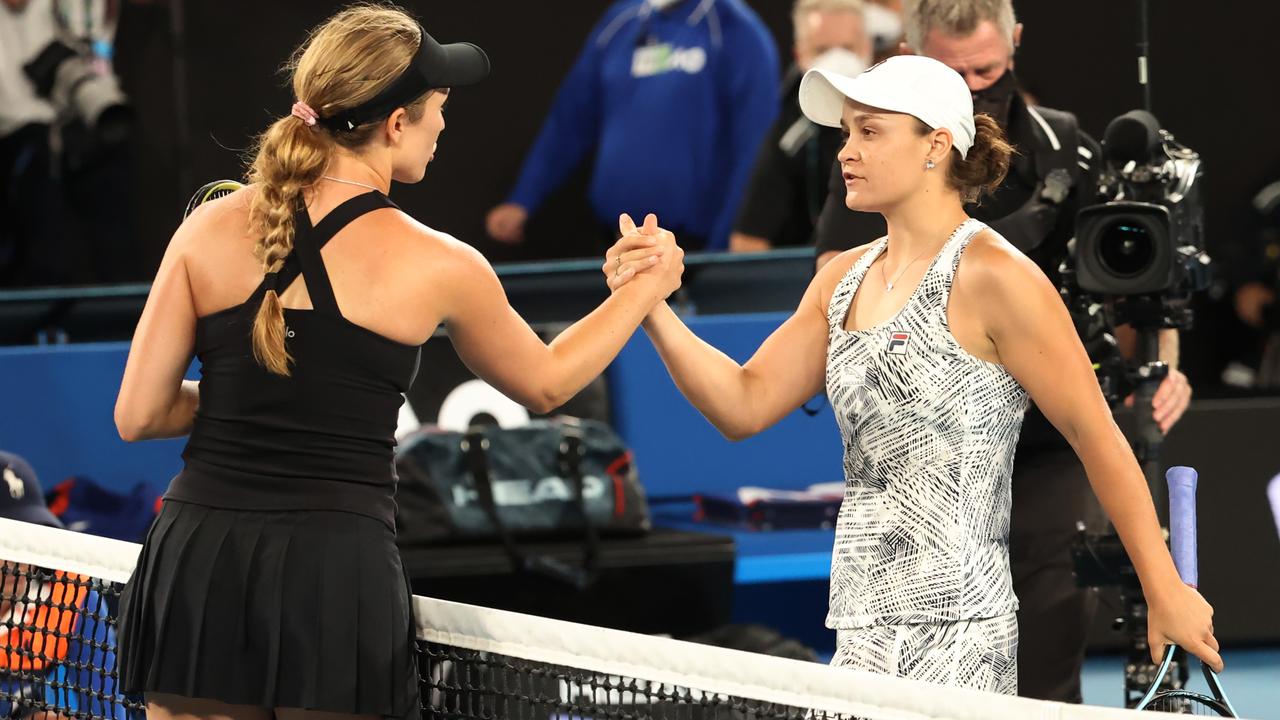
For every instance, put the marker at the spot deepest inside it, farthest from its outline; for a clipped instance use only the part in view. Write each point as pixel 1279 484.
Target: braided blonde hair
pixel 344 62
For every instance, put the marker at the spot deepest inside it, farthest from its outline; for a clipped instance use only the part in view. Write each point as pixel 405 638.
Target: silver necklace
pixel 888 285
pixel 349 182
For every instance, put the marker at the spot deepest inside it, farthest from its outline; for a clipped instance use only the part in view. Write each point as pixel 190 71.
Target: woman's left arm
pixel 1034 338
pixel 154 400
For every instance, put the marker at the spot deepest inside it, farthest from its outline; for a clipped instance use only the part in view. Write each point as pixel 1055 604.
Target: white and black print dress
pixel 920 580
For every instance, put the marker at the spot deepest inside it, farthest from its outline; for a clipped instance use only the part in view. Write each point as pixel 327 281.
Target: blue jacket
pixel 674 103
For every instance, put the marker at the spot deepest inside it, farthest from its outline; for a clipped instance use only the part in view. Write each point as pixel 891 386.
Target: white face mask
pixel 840 61
pixel 883 25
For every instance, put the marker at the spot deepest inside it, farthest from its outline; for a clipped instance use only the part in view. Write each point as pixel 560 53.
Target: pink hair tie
pixel 303 112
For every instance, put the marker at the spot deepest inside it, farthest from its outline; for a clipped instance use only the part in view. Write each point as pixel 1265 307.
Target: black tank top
pixel 322 439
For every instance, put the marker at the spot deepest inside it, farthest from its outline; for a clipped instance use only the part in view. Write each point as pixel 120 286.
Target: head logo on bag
pixel 518 493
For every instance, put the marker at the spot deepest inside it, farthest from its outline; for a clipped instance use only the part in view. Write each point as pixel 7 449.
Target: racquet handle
pixel 1182 522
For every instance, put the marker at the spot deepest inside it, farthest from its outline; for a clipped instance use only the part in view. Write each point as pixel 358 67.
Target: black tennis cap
pixel 433 66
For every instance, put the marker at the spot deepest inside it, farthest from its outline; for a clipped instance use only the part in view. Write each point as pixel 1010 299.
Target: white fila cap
pixel 912 84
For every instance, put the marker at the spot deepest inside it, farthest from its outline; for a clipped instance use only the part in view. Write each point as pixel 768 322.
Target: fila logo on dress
pixel 898 342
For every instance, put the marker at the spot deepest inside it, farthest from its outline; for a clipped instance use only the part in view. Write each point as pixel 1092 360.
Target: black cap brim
pixel 35 514
pixel 433 66
pixel 452 65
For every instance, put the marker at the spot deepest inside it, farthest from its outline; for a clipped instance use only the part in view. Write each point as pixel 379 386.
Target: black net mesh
pixel 458 683
pixel 60 592
pixel 58 646
pixel 60 657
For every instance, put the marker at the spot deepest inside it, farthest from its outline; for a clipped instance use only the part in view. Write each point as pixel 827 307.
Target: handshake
pixel 647 254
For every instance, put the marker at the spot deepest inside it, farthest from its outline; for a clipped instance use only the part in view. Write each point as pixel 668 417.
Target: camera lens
pixel 1125 248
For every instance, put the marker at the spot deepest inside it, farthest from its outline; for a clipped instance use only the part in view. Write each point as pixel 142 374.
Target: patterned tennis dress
pixel 920 580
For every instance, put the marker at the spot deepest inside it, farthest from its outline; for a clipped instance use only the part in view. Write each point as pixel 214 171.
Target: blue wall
pixel 57 413
pixel 679 452
pixel 58 400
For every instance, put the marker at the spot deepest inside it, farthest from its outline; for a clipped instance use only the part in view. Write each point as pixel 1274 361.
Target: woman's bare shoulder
pixel 829 276
pixel 991 264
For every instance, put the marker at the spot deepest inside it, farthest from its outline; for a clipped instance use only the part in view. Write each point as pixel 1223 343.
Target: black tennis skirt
pixel 295 609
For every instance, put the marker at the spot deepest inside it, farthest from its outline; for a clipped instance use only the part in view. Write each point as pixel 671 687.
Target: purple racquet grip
pixel 1182 522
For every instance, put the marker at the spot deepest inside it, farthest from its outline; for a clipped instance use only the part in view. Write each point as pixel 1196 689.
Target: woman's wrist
pixel 645 288
pixel 1160 584
pixel 660 313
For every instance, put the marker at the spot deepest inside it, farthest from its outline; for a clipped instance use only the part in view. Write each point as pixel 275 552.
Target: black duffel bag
pixel 560 478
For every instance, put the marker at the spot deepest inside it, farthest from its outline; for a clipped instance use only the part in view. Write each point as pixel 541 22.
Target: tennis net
pixel 60 592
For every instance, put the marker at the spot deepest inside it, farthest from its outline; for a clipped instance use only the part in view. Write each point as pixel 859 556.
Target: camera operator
pixel 1053 175
pixel 64 124
pixel 789 181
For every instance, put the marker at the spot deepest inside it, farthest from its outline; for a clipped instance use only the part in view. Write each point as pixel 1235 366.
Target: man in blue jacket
pixel 674 98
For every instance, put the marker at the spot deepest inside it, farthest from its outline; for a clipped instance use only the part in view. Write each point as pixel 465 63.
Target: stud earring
pixel 929 165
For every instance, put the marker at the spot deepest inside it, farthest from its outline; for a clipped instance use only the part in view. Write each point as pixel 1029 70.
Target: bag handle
pixel 475 448
pixel 572 449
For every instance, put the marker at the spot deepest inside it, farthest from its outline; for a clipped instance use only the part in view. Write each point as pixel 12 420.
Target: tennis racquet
pixel 211 191
pixel 1182 542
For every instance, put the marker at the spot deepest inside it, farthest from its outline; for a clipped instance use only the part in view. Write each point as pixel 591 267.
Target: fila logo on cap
pixel 898 343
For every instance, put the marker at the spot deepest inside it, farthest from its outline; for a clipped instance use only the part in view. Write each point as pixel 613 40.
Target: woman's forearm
pixel 583 351
pixel 713 382
pixel 1121 487
pixel 182 414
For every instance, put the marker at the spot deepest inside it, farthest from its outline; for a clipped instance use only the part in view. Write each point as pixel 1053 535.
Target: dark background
pixel 1212 83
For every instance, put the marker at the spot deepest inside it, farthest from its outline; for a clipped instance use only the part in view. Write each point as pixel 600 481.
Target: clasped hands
pixel 646 254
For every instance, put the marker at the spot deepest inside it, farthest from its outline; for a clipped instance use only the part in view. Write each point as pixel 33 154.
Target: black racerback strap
pixel 305 260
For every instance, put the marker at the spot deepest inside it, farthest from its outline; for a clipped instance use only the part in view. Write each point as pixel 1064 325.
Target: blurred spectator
pixel 54 627
pixel 1255 298
pixel 789 182
pixel 884 24
pixel 63 126
pixel 673 97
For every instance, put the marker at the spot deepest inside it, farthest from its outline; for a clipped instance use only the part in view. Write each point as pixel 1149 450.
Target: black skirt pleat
pixel 297 609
